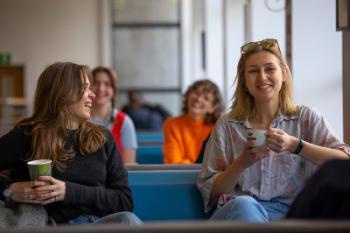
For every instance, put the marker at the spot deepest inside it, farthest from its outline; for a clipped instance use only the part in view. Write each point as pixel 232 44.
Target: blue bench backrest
pixel 150 137
pixel 166 195
pixel 149 155
pixel 150 149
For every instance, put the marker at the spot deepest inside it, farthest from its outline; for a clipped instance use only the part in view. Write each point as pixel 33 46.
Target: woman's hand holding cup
pixel 23 191
pixel 50 193
pixel 279 141
pixel 44 188
pixel 252 154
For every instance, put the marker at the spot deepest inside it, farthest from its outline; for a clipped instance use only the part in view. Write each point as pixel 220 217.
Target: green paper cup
pixel 41 167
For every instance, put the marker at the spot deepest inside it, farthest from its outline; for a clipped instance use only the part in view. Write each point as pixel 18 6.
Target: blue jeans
pixel 125 217
pixel 249 209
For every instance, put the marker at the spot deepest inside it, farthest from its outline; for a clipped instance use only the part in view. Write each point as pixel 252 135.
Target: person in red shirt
pixel 104 112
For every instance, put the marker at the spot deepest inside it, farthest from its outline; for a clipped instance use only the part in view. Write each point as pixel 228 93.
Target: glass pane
pixel 158 11
pixel 147 57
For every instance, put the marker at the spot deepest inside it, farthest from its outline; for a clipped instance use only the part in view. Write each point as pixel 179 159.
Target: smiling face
pixel 199 103
pixel 264 76
pixel 81 110
pixel 103 88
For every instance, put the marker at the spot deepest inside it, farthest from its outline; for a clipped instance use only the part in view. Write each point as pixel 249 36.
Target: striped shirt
pixel 280 176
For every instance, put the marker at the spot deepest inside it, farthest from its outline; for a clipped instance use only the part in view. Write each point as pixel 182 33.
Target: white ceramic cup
pixel 260 137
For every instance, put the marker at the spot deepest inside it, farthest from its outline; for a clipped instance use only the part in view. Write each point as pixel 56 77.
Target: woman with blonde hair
pixel 244 182
pixel 89 182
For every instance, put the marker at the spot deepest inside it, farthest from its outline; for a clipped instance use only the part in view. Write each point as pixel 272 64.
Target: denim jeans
pixel 125 218
pixel 250 209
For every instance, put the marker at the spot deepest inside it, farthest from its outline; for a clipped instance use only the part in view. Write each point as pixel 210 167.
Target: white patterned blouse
pixel 280 176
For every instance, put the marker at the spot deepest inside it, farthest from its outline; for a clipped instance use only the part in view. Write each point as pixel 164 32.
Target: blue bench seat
pixel 166 195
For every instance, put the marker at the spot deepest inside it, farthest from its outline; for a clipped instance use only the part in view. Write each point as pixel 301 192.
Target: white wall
pixel 203 16
pixel 234 38
pixel 317 59
pixel 267 24
pixel 40 32
pixel 214 46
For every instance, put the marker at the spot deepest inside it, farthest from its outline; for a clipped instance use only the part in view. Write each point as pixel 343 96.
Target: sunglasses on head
pixel 265 44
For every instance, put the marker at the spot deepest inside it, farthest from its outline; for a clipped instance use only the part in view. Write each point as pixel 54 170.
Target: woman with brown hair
pixel 105 113
pixel 184 134
pixel 246 182
pixel 89 182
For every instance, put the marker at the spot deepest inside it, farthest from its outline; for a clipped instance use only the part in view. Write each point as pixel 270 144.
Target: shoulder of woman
pixel 226 119
pixel 223 123
pixel 18 137
pixel 309 112
pixel 128 120
pixel 106 132
pixel 172 120
pixel 22 131
pixel 129 125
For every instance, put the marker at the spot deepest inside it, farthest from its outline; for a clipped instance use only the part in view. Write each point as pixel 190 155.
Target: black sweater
pixel 96 184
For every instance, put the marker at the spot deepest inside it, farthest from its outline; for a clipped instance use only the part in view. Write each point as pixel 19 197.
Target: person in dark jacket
pixel 326 195
pixel 145 116
pixel 89 182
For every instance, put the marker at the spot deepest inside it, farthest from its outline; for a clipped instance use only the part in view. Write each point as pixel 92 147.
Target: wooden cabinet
pixel 13 104
pixel 11 81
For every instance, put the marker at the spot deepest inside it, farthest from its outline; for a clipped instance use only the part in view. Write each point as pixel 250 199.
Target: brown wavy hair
pixel 209 87
pixel 59 86
pixel 243 105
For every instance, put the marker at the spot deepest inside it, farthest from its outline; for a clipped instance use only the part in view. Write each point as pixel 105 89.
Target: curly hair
pixel 209 87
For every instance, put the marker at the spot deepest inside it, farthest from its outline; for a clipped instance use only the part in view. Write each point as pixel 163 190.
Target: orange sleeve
pixel 173 150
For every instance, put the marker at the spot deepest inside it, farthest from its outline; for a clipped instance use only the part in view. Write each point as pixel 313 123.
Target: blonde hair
pixel 243 105
pixel 59 86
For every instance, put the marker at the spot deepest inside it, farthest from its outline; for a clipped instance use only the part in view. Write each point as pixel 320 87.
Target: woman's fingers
pixel 258 153
pixel 278 140
pixel 275 137
pixel 49 201
pixel 30 197
pixel 259 149
pixel 38 192
pixel 47 179
pixel 36 183
pixel 249 144
pixel 48 195
pixel 275 131
pixel 276 147
pixel 51 193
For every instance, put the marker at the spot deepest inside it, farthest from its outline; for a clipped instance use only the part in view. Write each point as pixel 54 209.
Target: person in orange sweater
pixel 184 134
